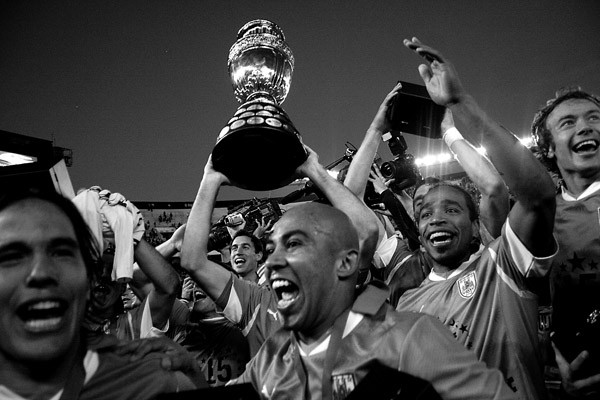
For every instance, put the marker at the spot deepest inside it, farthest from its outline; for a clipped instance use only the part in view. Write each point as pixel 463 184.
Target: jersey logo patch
pixel 467 285
pixel 342 385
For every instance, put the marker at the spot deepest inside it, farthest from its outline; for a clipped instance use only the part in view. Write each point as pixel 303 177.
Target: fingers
pixel 425 72
pixel 579 360
pixel 428 53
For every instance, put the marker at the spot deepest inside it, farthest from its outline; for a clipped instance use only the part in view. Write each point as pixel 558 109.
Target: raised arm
pixel 494 203
pixel 210 276
pixel 532 217
pixel 360 167
pixel 343 199
pixel 164 279
pixel 140 284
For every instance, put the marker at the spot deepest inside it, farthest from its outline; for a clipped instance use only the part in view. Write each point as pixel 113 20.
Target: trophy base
pixel 259 149
pixel 259 159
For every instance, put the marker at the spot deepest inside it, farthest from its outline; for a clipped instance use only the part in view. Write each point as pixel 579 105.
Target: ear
pixel 347 264
pixel 259 256
pixel 550 153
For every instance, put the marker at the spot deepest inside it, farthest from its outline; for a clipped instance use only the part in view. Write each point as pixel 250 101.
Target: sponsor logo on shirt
pixel 273 314
pixel 467 285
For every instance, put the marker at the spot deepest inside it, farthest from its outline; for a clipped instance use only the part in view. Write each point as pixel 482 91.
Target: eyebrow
pixel 444 202
pixel 288 234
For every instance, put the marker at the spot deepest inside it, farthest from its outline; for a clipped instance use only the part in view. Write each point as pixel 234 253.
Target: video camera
pixel 251 211
pixel 402 168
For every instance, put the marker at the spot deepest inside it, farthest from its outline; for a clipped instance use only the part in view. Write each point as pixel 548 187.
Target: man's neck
pixel 37 380
pixel 251 276
pixel 578 182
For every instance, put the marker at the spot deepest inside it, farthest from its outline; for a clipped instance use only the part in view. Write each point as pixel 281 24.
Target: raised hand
pixel 381 123
pixel 439 74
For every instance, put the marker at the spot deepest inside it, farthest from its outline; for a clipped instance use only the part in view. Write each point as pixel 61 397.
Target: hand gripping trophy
pixel 259 148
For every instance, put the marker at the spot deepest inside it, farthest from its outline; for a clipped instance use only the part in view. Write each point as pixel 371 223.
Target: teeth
pixel 44 305
pixel 284 303
pixel 42 325
pixel 589 142
pixel 436 235
pixel 279 283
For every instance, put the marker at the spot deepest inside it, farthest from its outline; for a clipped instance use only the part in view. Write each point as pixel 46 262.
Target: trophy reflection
pixel 259 148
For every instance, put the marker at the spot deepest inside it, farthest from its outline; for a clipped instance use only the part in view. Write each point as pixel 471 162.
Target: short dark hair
pixel 428 180
pixel 87 242
pixel 471 205
pixel 258 246
pixel 541 135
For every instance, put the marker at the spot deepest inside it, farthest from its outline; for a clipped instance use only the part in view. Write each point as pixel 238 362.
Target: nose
pixel 43 272
pixel 582 126
pixel 274 261
pixel 437 218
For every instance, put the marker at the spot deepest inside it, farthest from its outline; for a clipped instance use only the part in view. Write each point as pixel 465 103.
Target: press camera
pixel 251 211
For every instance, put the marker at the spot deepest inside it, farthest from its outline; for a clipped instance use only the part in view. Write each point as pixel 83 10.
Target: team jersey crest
pixel 467 285
pixel 342 385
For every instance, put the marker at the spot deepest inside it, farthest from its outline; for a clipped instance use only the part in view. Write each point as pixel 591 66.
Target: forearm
pixel 156 269
pixel 194 250
pixel 358 171
pixel 525 176
pixel 494 204
pixel 342 198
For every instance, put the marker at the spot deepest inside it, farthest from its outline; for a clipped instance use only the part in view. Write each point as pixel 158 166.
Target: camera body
pixel 402 168
pixel 250 211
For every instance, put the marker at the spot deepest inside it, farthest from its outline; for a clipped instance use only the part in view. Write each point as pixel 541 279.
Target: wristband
pixel 452 135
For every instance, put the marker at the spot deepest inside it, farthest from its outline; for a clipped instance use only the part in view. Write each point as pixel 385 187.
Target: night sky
pixel 140 89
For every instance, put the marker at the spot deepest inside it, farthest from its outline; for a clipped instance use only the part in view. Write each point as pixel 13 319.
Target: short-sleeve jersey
pixel 486 305
pixel 575 274
pixel 408 342
pixel 405 270
pixel 252 308
pixel 219 348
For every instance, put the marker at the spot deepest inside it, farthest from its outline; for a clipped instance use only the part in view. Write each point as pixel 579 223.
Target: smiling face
pixel 306 254
pixel 244 258
pixel 43 283
pixel 445 226
pixel 575 128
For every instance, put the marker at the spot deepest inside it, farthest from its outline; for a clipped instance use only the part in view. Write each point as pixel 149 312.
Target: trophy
pixel 259 148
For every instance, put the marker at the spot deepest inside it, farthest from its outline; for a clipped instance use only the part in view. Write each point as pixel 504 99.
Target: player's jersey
pixel 112 377
pixel 252 308
pixel 575 274
pixel 219 348
pixel 412 343
pixel 489 309
pixel 133 324
pixel 405 270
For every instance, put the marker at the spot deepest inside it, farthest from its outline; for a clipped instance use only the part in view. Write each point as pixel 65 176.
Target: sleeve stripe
pixel 508 280
pixel 251 322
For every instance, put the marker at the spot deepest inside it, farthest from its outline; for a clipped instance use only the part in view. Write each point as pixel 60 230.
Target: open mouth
pixel 440 238
pixel 42 315
pixel 587 146
pixel 286 292
pixel 239 261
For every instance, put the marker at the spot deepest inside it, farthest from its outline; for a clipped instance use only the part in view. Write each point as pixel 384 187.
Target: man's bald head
pixel 328 221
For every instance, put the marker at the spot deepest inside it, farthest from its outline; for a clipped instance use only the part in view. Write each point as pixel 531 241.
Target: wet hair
pixel 541 135
pixel 471 205
pixel 258 246
pixel 87 242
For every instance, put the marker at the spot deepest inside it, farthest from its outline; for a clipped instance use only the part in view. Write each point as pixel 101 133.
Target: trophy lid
pixel 261 26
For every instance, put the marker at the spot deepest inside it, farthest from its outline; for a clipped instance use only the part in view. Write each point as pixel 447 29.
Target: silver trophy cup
pixel 259 148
